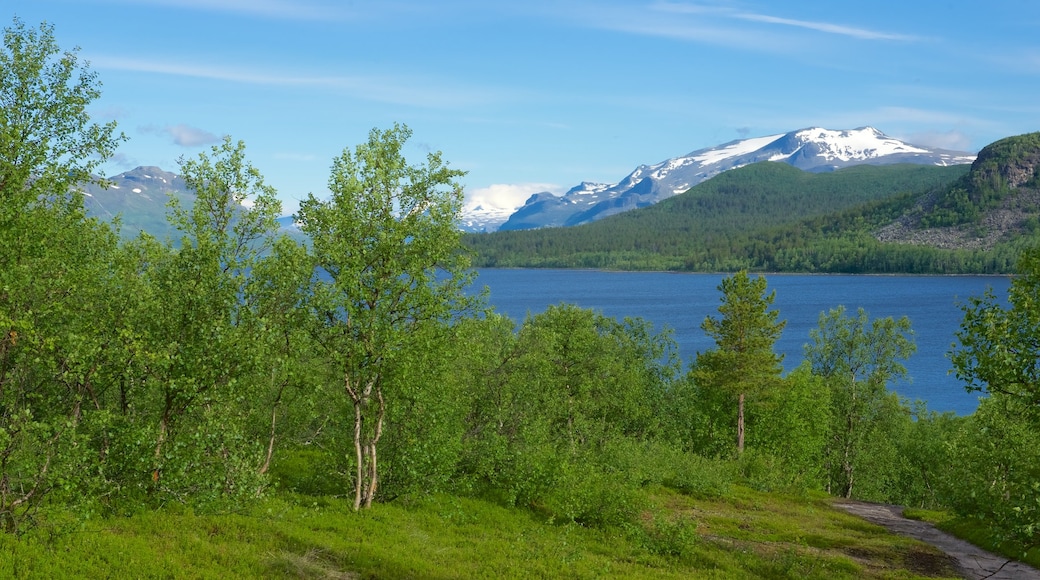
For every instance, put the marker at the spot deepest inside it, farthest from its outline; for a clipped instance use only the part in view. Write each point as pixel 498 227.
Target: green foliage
pixel 388 254
pixel 743 362
pixel 569 415
pixel 743 535
pixel 765 217
pixel 791 428
pixel 196 350
pixel 999 349
pixel 309 471
pixel 423 437
pixel 187 376
pixel 48 144
pixel 1000 167
pixel 994 475
pixel 924 441
pixel 858 357
pixel 998 355
pixel 54 278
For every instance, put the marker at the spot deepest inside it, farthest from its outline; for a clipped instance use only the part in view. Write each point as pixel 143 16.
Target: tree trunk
pixel 740 423
pixel 270 441
pixel 274 423
pixel 358 455
pixel 159 442
pixel 850 431
pixel 373 465
pixel 847 462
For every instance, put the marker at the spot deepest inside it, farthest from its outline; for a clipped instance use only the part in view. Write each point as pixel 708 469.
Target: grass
pixel 746 534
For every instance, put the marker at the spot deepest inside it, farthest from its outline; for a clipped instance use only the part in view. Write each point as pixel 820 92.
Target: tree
pixel 48 143
pixel 999 354
pixel 743 361
pixel 569 411
pixel 275 297
pixel 53 267
pixel 795 425
pixel 389 258
pixel 1000 347
pixel 199 345
pixel 858 357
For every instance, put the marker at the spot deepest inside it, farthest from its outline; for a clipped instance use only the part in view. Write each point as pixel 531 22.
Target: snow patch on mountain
pixel 732 149
pixel 813 149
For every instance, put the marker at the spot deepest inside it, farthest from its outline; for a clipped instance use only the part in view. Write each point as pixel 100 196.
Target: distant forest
pixel 768 217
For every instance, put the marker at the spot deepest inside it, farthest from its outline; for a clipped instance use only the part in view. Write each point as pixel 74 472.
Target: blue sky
pixel 540 95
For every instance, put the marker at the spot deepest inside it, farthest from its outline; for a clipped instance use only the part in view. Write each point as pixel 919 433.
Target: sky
pixel 531 95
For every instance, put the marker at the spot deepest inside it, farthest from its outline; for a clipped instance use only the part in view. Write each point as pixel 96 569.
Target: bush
pixel 312 472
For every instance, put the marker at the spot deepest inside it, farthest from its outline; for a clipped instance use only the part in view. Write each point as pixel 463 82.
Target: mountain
pixel 479 216
pixel 769 216
pixel 764 216
pixel 996 203
pixel 815 150
pixel 139 198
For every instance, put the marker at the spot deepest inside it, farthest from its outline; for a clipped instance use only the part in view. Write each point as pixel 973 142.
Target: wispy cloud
pixel 186 136
pixel 183 135
pixel 1019 60
pixel 952 140
pixel 721 25
pixel 921 116
pixel 395 90
pixel 827 27
pixel 661 21
pixel 123 161
pixel 283 9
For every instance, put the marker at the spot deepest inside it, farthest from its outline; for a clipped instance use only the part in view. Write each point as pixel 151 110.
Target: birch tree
pixel 389 261
pixel 198 349
pixel 52 263
pixel 858 357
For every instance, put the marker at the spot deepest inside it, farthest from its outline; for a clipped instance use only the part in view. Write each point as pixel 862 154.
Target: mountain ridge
pixel 811 149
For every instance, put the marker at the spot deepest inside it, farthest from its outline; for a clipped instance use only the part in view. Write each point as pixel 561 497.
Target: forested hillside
pixel 772 217
pixel 166 405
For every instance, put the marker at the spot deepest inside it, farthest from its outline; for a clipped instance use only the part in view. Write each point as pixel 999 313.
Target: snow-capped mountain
pixel 813 149
pixel 139 198
pixel 483 217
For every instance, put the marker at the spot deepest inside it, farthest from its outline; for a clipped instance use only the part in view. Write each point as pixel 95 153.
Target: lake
pixel 681 301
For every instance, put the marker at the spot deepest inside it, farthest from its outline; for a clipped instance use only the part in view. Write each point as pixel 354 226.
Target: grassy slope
pixel 744 534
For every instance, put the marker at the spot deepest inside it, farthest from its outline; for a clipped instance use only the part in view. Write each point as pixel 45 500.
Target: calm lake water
pixel 682 301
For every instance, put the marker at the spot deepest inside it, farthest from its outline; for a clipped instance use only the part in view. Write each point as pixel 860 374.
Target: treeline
pixel 228 364
pixel 763 217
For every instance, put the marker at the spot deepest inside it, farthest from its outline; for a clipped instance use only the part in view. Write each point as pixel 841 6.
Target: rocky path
pixel 974 562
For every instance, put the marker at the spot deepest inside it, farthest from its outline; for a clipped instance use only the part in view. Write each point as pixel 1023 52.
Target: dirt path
pixel 974 562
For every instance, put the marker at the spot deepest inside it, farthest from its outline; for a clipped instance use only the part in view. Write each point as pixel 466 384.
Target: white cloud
pixel 186 136
pixel 664 23
pixel 917 115
pixel 507 195
pixel 183 135
pixel 952 140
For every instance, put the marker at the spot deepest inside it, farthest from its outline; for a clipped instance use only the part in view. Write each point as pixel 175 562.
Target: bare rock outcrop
pixel 1015 216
